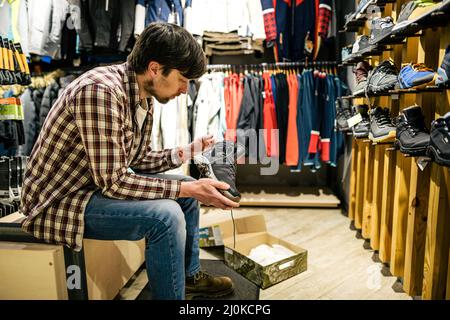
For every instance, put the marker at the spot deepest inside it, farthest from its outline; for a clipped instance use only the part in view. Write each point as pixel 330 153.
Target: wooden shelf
pixel 415 91
pixel 288 197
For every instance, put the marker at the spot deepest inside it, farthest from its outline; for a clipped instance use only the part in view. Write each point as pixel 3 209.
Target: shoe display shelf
pixel 354 25
pixel 416 91
pixel 400 204
pixel 433 21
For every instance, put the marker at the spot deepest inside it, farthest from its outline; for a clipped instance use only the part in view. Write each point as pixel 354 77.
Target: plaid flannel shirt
pixel 89 140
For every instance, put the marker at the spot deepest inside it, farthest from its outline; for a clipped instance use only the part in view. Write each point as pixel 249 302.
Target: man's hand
pixel 197 146
pixel 206 191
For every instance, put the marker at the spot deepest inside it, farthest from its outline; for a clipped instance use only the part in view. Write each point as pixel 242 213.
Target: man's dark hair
pixel 171 46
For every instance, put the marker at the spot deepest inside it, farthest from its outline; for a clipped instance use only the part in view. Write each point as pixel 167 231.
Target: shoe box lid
pixel 251 231
pixel 217 227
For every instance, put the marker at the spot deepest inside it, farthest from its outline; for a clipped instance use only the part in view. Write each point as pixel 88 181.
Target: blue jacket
pixel 159 10
pixel 297 20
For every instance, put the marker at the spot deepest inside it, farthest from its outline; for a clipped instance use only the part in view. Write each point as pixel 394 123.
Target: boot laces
pixel 200 275
pixel 383 118
pixel 204 170
pixel 415 130
pixel 387 68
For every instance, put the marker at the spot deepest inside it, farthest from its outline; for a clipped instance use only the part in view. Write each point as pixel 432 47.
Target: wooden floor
pixel 339 267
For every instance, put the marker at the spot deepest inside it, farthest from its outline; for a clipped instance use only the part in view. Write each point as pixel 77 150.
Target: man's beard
pixel 149 88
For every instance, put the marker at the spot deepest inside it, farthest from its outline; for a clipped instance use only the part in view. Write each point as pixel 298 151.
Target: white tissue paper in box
pixel 265 255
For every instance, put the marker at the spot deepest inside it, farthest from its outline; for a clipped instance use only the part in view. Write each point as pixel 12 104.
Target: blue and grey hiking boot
pixel 444 70
pixel 219 163
pixel 382 78
pixel 416 75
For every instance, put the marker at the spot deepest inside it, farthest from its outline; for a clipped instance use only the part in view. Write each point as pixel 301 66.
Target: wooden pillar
pixel 360 165
pixel 387 205
pixel 368 193
pixel 435 281
pixel 420 183
pixel 377 195
pixel 353 181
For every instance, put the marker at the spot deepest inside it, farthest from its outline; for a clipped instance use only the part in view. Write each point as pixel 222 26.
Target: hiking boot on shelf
pixel 361 43
pixel 362 8
pixel 219 163
pixel 361 71
pixel 415 11
pixel 346 53
pixel 381 29
pixel 343 113
pixel 361 130
pixel 412 135
pixel 381 127
pixel 416 75
pixel 444 70
pixel 439 147
pixel 382 78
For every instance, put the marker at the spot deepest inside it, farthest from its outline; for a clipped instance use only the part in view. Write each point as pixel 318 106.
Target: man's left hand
pixel 197 146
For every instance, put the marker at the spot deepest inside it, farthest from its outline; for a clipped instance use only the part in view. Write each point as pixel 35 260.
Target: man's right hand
pixel 206 191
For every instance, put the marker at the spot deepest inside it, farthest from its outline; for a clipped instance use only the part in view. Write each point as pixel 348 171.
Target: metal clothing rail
pixel 272 65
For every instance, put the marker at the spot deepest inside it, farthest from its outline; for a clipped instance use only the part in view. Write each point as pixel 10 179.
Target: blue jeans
pixel 170 228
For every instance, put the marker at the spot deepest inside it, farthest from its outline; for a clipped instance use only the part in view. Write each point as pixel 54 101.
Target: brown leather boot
pixel 207 286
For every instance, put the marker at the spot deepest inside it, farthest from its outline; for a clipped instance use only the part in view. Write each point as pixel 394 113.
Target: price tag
pixel 354 120
pixel 422 162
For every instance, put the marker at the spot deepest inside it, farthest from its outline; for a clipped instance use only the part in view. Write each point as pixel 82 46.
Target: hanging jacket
pixel 248 118
pixel 328 117
pixel 282 103
pixel 106 24
pixel 48 99
pixel 37 98
pixel 209 102
pixel 269 118
pixel 298 21
pixel 304 120
pixel 337 138
pixel 148 11
pixel 26 99
pixel 270 26
pixel 292 134
pixel 45 20
pixel 169 128
pixel 235 95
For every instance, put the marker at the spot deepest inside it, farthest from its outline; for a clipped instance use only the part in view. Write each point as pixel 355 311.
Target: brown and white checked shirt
pixel 89 140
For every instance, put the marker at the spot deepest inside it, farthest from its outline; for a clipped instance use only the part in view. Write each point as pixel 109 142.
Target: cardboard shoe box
pixel 251 232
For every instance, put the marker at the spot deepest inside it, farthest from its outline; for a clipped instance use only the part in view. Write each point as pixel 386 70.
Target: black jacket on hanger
pixel 101 22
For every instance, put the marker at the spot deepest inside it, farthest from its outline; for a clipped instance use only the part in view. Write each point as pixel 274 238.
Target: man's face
pixel 165 88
